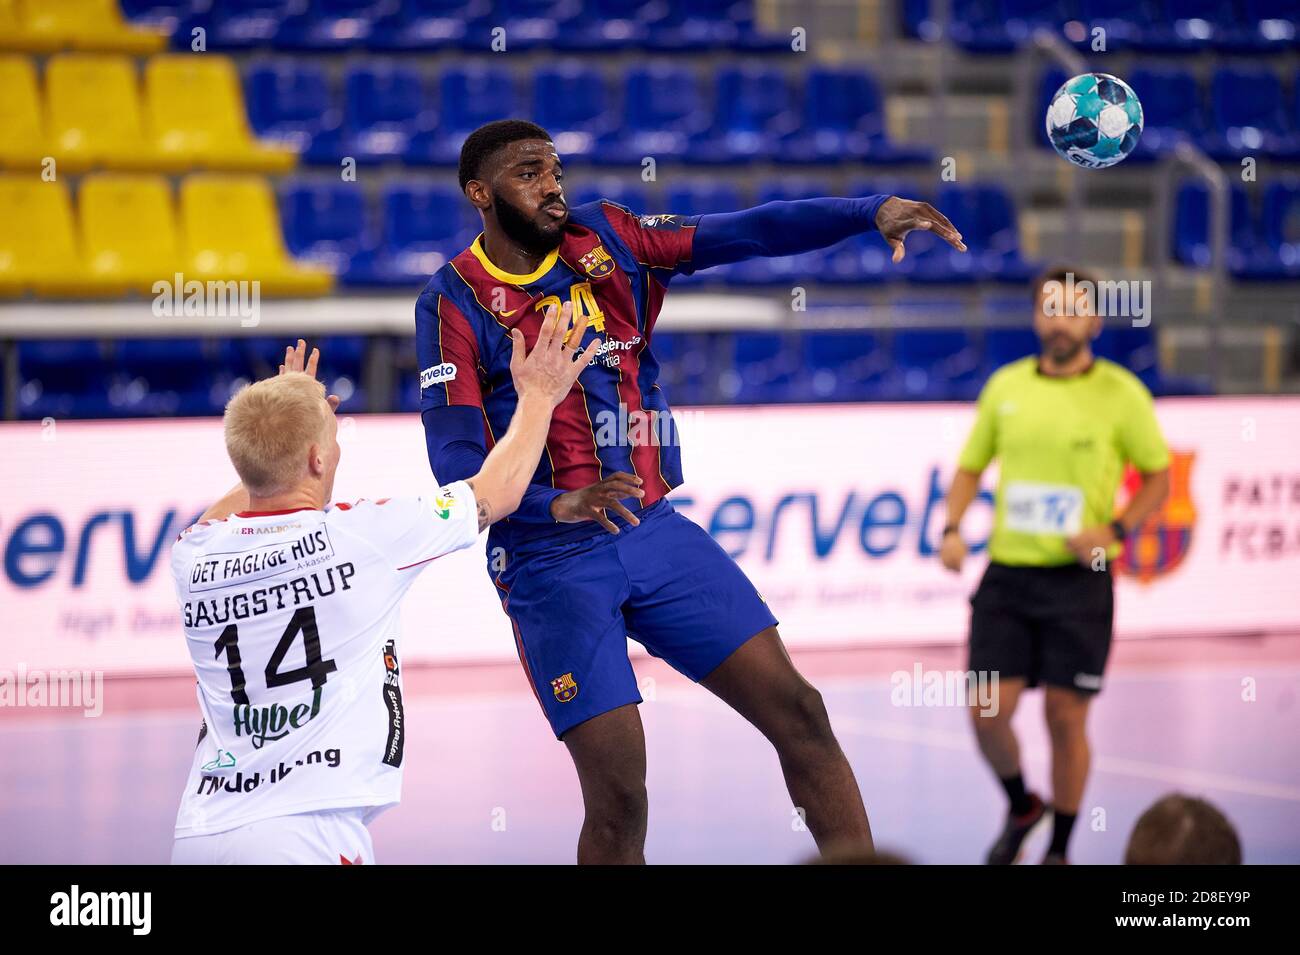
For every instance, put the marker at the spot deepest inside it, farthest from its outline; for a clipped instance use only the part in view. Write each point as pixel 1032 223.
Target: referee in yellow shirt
pixel 1062 425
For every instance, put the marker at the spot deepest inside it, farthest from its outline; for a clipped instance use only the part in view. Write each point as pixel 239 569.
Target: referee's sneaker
pixel 1062 425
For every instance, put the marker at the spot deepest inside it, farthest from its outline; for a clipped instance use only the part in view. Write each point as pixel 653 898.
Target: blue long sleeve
pixel 781 228
pixel 454 438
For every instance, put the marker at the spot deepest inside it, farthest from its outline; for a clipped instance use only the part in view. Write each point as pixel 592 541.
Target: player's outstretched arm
pixel 805 225
pixel 295 359
pixel 543 378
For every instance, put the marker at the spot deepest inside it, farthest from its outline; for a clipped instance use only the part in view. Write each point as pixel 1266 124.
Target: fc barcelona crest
pixel 1161 543
pixel 564 688
pixel 597 262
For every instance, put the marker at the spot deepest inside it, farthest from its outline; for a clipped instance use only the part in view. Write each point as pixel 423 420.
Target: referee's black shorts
pixel 1046 625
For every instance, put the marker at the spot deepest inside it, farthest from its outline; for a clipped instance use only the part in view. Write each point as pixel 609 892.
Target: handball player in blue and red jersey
pixel 596 553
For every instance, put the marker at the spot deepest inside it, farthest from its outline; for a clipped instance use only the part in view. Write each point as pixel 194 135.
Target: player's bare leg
pixel 609 753
pixel 993 731
pixel 1067 718
pixel 760 682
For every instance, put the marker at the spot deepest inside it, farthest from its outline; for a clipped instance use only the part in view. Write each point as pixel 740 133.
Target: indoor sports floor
pixel 486 783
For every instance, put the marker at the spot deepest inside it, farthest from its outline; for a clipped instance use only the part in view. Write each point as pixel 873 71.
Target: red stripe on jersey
pixel 571 443
pixel 657 248
pixel 459 346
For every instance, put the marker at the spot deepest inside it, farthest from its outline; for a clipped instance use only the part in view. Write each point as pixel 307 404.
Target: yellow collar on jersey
pixel 499 273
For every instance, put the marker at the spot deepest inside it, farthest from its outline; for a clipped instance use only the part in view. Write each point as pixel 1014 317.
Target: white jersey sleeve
pixel 413 531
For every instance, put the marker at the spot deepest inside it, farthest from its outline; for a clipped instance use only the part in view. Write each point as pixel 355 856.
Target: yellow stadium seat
pixel 93 114
pixel 22 136
pixel 82 25
pixel 38 244
pixel 128 231
pixel 14 32
pixel 231 230
pixel 196 114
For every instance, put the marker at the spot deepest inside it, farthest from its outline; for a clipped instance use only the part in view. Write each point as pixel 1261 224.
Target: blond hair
pixel 269 427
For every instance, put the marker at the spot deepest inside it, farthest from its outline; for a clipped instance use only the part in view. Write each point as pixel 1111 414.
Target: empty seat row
pixel 389 111
pixel 47 26
pixel 1156 26
pixel 1244 112
pixel 1264 240
pixel 166 377
pixel 96 113
pixel 129 233
pixel 471 25
pixel 82 378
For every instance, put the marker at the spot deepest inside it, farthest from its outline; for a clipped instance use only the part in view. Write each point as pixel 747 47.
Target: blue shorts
pixel 666 584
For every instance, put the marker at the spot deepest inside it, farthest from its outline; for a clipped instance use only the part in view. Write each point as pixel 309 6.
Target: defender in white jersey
pixel 291 614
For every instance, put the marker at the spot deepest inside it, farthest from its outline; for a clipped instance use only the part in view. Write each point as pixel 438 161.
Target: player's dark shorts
pixel 666 584
pixel 1047 625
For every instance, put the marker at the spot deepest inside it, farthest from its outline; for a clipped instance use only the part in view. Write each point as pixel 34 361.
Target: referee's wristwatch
pixel 1117 528
pixel 949 529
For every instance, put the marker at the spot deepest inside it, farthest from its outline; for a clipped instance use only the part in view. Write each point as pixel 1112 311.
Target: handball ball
pixel 1095 120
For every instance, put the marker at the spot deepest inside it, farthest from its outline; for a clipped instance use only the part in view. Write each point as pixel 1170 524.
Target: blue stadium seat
pixel 424 226
pixel 1281 228
pixel 692 26
pixel 999 26
pixel 290 102
pixel 471 96
pixel 615 190
pixel 327 223
pixel 1187 26
pixel 1126 22
pixel 687 368
pixel 1191 229
pixel 1271 24
pixel 64 378
pixel 847 365
pixel 843 118
pixel 603 26
pixel 331 24
pixel 1172 110
pixel 431 25
pixel 662 110
pixel 764 368
pixel 169 377
pixel 1134 348
pixel 935 364
pixel 754 106
pixel 915 20
pixel 236 24
pixel 1005 345
pixel 1249 117
pixel 571 102
pixel 994 237
pixel 386 107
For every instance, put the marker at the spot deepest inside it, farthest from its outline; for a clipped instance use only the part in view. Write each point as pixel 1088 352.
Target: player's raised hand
pixel 591 502
pixel 897 217
pixel 297 359
pixel 551 368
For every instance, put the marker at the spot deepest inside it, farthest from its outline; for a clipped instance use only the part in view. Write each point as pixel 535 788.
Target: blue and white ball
pixel 1095 120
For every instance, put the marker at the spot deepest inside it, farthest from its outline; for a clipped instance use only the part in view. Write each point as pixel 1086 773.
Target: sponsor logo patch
pixel 437 375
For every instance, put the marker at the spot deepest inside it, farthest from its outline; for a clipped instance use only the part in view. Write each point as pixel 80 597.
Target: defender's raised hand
pixel 552 367
pixel 897 217
pixel 297 359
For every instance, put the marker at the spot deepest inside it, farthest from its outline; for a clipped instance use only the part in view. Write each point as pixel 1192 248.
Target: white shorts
pixel 333 837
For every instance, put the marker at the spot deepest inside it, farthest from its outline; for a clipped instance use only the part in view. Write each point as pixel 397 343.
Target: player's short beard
pixel 1066 353
pixel 522 230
